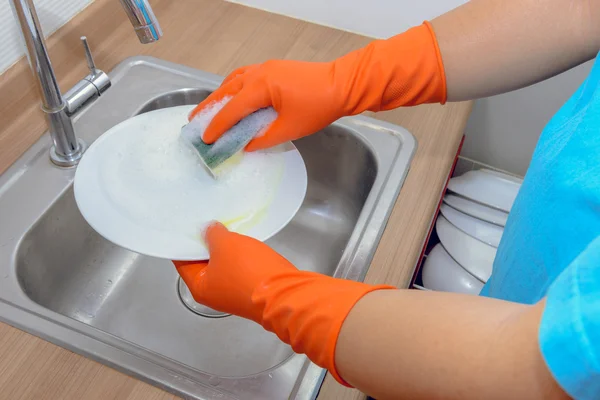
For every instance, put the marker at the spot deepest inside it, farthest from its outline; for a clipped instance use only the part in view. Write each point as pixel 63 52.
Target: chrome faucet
pixel 58 109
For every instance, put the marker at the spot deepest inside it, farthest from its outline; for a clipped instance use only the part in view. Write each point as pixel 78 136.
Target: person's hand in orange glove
pixel 396 344
pixel 245 277
pixel 404 70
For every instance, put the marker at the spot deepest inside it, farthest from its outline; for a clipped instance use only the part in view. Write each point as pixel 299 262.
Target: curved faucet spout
pixel 143 20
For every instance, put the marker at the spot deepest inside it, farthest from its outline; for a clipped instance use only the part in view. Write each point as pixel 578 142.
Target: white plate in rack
pixel 481 230
pixel 476 210
pixel 442 273
pixel 488 188
pixel 474 256
pixel 512 178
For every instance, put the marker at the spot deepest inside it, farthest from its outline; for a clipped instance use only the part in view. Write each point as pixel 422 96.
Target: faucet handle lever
pixel 90 87
pixel 88 54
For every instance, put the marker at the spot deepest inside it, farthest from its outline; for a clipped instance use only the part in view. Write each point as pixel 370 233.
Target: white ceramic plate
pixel 141 187
pixel 442 273
pixel 486 188
pixel 476 210
pixel 474 256
pixel 480 230
pixel 501 175
pixel 419 287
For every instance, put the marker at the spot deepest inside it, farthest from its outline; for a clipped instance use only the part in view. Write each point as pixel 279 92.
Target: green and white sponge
pixel 231 142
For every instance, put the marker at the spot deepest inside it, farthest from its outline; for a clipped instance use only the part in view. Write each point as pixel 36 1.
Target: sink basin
pixel 67 284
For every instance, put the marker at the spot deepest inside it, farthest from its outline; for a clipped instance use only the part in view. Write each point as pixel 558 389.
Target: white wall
pixel 52 14
pixel 374 18
pixel 503 130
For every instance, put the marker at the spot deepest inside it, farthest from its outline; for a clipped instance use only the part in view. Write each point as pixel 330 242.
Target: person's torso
pixel 557 211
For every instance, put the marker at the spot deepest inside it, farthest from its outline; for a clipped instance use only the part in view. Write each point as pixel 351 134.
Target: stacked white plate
pixel 470 227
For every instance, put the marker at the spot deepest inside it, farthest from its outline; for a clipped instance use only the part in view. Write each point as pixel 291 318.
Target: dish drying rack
pixel 460 166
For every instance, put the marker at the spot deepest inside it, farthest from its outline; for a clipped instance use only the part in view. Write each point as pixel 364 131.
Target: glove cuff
pixel 404 70
pixel 307 310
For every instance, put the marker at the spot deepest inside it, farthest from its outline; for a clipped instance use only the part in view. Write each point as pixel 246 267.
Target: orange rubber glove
pixel 404 70
pixel 245 277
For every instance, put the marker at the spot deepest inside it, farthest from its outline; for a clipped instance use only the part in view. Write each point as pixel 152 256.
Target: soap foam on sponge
pixel 231 142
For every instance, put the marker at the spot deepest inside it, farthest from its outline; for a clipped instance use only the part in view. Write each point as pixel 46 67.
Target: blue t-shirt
pixel 551 242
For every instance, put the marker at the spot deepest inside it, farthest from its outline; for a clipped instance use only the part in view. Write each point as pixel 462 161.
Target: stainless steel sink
pixel 61 281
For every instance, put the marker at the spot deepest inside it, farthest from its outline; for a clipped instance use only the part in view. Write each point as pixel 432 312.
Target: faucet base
pixel 70 161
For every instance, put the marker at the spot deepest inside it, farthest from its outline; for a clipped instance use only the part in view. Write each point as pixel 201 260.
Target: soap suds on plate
pixel 161 181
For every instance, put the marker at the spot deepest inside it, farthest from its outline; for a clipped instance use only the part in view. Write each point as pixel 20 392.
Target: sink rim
pixel 18 310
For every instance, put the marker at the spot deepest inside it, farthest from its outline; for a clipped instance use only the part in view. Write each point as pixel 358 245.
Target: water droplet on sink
pixel 271 376
pixel 214 380
pixel 110 281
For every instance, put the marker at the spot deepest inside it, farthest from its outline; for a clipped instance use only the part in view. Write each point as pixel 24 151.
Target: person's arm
pixel 495 46
pixel 407 344
pixel 481 48
pixel 389 343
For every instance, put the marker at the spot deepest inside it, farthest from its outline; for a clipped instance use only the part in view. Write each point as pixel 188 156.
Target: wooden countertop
pixel 214 36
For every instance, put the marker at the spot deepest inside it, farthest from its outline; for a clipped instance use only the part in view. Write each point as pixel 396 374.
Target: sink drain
pixel 186 297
